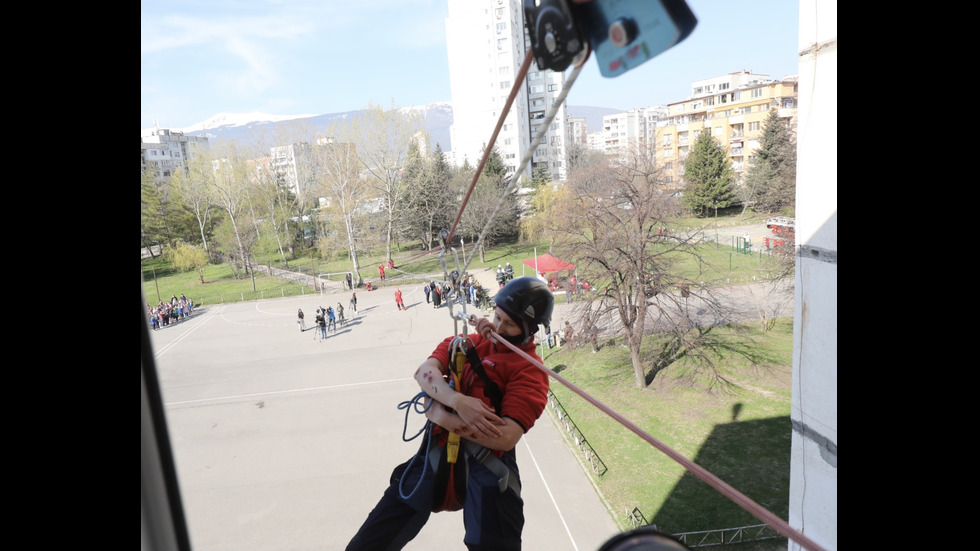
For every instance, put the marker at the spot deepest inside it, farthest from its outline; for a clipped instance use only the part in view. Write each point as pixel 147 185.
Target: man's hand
pixel 478 416
pixel 483 326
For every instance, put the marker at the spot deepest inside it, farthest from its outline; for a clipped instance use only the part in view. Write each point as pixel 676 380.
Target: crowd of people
pixel 468 291
pixel 170 312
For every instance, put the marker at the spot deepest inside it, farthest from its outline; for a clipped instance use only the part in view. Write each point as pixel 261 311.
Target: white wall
pixel 813 472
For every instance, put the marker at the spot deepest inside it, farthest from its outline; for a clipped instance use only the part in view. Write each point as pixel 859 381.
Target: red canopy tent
pixel 547 263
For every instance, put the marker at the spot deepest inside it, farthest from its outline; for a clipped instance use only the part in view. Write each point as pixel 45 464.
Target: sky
pixel 313 57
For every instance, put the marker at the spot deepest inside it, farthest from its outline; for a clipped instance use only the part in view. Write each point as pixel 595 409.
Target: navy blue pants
pixel 493 520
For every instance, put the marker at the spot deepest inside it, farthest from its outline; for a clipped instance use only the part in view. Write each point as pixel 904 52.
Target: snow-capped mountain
pixel 436 118
pixel 241 119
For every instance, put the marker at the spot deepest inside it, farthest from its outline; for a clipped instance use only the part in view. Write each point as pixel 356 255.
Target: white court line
pixel 548 489
pixel 291 391
pixel 210 314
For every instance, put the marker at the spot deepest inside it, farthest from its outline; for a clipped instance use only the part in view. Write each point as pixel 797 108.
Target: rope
pixel 725 489
pixel 416 403
pixel 542 130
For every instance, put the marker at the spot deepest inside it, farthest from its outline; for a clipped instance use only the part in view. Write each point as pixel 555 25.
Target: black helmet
pixel 529 300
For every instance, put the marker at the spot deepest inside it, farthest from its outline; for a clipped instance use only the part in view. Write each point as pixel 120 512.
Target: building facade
pixel 292 166
pixel 164 151
pixel 487 44
pixel 633 128
pixel 733 109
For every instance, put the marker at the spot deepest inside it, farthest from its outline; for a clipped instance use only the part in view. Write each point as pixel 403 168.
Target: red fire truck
pixel 783 229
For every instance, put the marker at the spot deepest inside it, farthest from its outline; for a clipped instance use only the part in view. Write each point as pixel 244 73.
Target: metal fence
pixel 707 538
pixel 591 457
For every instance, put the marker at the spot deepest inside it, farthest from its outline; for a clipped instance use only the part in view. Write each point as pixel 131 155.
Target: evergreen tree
pixel 771 179
pixel 709 177
pixel 152 212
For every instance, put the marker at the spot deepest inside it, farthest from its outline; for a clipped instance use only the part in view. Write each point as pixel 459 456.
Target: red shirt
pixel 524 385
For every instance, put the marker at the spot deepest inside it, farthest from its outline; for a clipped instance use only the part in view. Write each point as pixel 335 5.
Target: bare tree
pixel 197 191
pixel 382 138
pixel 345 189
pixel 621 240
pixel 488 212
pixel 231 190
pixel 274 206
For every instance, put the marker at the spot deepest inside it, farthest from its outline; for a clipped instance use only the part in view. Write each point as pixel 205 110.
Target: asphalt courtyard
pixel 286 443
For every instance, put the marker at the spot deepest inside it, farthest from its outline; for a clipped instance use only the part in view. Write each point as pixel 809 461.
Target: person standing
pixel 508 272
pixel 331 320
pixel 321 324
pixel 381 270
pixel 353 302
pixel 340 315
pixel 490 410
pixel 300 321
pixel 398 300
pixel 426 290
pixel 350 281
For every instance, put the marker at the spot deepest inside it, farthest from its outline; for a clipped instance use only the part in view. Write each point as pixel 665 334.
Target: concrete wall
pixel 813 473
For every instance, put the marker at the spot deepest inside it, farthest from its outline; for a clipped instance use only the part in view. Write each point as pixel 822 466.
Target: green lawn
pixel 741 434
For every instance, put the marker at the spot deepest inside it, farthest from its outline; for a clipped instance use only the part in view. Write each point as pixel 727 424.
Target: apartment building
pixel 292 166
pixel 622 131
pixel 578 131
pixel 487 45
pixel 164 151
pixel 733 108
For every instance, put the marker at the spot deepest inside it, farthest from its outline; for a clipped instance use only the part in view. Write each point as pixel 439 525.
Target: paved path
pixel 282 442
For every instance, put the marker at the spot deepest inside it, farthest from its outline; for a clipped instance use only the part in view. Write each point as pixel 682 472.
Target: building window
pixel 754 126
pixel 757 93
pixel 501 42
pixel 537 89
pixel 668 139
pixel 504 84
pixel 554 87
pixel 501 27
pixel 505 70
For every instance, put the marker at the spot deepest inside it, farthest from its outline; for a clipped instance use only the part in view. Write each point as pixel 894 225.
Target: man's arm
pixel 476 415
pixel 510 431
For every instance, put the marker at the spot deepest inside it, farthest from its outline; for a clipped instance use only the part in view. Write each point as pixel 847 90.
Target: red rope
pixel 725 489
pixel 518 83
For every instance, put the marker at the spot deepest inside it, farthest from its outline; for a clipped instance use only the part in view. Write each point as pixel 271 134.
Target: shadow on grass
pixel 751 456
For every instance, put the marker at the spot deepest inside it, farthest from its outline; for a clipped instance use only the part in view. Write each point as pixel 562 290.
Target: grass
pixel 740 434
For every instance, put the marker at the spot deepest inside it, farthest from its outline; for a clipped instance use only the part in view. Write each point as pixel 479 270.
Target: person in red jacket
pixel 381 270
pixel 398 300
pixel 490 405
